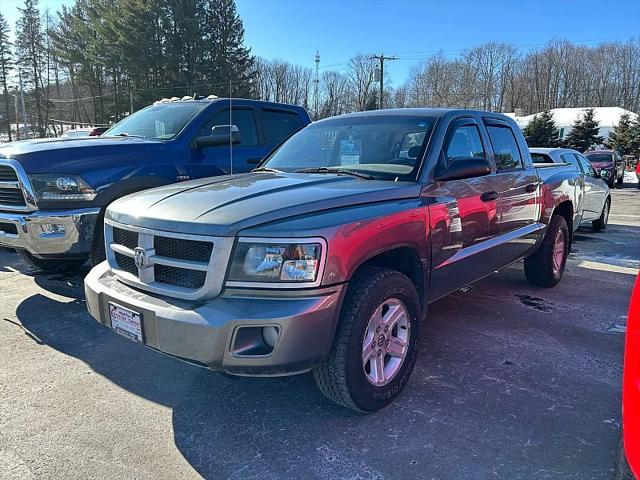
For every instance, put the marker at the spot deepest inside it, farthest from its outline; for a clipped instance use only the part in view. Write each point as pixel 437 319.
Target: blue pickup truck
pixel 53 192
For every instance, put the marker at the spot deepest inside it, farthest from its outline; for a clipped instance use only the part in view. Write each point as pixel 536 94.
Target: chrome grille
pixel 12 197
pixel 8 174
pixel 172 264
pixel 16 193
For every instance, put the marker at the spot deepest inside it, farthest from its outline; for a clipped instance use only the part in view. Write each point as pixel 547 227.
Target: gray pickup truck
pixel 326 256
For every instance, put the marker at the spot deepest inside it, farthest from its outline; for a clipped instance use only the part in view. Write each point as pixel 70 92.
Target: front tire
pixel 375 346
pixel 545 267
pixel 50 265
pixel 601 223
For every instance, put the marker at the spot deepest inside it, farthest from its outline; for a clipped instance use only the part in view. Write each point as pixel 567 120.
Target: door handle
pixel 531 187
pixel 254 161
pixel 489 196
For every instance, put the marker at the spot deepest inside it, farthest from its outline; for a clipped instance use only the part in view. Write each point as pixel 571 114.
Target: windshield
pixel 600 157
pixel 162 121
pixel 385 147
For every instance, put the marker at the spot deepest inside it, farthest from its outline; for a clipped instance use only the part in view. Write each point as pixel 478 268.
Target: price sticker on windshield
pixel 350 152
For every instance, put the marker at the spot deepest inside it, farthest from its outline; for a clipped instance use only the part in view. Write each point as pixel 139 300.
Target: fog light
pixel 270 336
pixel 51 229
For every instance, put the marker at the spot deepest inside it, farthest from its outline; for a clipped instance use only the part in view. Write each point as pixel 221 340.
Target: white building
pixel 607 118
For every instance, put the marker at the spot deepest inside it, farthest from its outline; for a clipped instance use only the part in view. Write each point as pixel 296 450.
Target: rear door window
pixel 505 148
pixel 279 124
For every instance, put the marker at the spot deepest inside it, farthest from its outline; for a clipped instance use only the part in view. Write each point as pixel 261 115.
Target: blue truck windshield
pixel 381 146
pixel 163 121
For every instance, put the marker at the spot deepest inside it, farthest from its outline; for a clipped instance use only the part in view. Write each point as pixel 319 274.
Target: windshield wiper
pixel 125 134
pixel 266 169
pixel 337 171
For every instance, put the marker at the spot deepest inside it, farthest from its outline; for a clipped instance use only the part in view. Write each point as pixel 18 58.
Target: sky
pixel 412 29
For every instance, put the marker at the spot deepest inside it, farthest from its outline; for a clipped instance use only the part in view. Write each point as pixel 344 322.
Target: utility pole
pixel 316 82
pixel 382 58
pixel 24 111
pixel 15 101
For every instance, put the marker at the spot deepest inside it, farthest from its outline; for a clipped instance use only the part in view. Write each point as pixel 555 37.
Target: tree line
pixel 542 131
pixel 98 60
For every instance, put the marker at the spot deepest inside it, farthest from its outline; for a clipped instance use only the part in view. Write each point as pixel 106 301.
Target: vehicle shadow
pixel 491 376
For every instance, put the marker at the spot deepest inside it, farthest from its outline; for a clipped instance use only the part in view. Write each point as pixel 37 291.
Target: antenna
pixel 316 83
pixel 230 132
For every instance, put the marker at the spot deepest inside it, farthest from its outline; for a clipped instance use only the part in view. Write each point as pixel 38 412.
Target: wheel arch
pixel 406 260
pixel 566 210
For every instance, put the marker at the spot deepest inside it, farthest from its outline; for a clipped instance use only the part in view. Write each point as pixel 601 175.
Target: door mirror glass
pixel 220 135
pixel 465 167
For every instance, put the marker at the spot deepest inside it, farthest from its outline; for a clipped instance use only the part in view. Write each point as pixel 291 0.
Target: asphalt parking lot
pixel 512 381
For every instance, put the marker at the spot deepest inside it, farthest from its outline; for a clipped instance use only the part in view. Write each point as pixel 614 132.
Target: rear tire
pixel 545 267
pixel 601 223
pixel 50 265
pixel 358 372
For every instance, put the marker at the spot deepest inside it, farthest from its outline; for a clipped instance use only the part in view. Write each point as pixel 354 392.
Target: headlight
pixel 275 262
pixel 53 187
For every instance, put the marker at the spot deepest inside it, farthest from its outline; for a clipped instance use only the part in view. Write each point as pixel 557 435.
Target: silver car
pixel 596 198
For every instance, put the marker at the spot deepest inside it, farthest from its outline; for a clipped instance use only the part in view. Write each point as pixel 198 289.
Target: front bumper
pixel 31 232
pixel 205 332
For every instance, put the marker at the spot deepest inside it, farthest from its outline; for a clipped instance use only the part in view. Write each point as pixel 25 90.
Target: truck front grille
pixel 170 264
pixel 15 189
pixel 180 277
pixel 126 264
pixel 126 238
pixel 8 174
pixel 12 197
pixel 183 249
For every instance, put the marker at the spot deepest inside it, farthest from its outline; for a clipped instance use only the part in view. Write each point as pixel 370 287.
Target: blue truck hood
pixel 75 155
pixel 222 206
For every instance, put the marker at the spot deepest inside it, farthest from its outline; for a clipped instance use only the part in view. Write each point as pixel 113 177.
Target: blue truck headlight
pixel 57 187
pixel 274 262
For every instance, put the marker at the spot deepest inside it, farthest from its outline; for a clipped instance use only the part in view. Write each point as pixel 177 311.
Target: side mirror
pixel 465 167
pixel 220 135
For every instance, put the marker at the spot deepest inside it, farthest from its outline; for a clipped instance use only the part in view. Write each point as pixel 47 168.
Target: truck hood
pixel 73 155
pixel 222 206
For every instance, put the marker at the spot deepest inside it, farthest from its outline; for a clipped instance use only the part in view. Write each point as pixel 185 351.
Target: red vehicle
pixel 631 390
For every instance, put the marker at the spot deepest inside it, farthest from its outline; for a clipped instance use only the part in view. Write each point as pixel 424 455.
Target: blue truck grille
pixel 12 197
pixel 7 174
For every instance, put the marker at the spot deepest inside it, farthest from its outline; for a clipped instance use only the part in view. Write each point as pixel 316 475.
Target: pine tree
pixel 5 68
pixel 29 49
pixel 542 131
pixel 228 60
pixel 620 136
pixel 584 133
pixel 634 138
